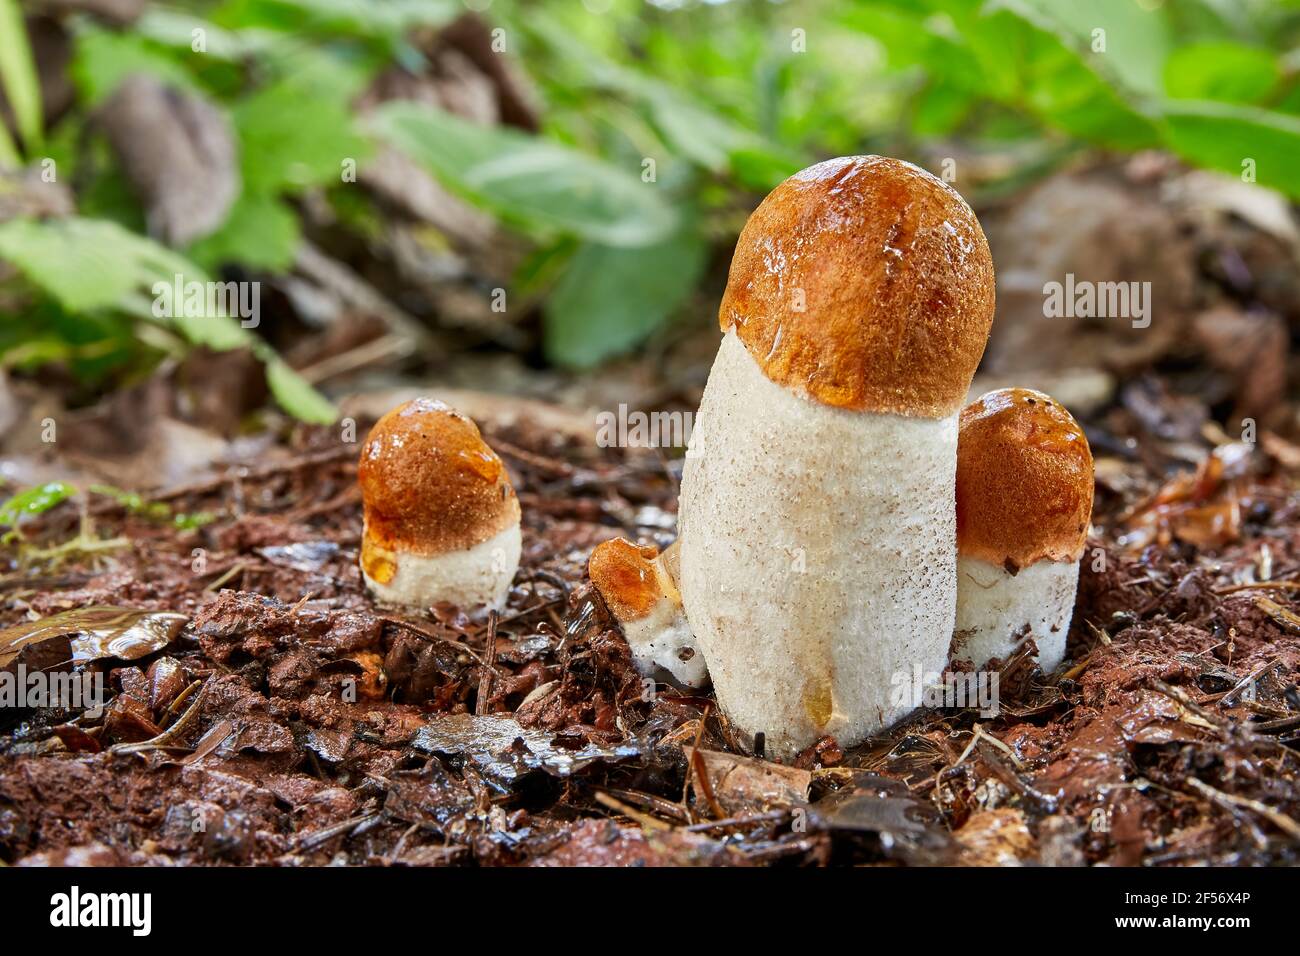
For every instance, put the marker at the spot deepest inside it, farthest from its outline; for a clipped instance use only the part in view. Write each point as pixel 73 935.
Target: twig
pixel 704 785
pixel 1260 586
pixel 318 837
pixel 489 668
pixel 1285 619
pixel 1279 820
pixel 226 576
pixel 646 821
pixel 1248 680
pixel 1180 698
pixel 690 764
pixel 648 801
pixel 431 635
pixel 376 350
pixel 163 740
pixel 770 817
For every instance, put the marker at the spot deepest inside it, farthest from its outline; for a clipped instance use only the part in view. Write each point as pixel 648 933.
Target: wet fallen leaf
pixel 94 633
pixel 302 555
pixel 504 750
pixel 745 785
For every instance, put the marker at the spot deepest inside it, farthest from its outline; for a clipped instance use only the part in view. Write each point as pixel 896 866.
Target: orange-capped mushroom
pixel 817 516
pixel 865 283
pixel 1024 506
pixel 441 517
pixel 638 587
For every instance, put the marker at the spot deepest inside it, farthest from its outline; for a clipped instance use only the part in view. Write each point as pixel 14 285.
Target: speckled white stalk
pixel 818 555
pixel 480 575
pixel 663 640
pixel 995 610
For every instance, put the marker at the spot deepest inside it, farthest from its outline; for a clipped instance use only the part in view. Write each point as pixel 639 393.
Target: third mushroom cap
pixel 1024 504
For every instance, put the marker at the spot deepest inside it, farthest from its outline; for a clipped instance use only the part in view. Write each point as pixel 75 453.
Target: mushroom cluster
pixel 843 523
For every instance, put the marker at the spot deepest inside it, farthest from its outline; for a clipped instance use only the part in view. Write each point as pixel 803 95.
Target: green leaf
pixel 292 139
pixel 18 73
pixel 88 264
pixel 610 299
pixel 528 180
pixel 389 19
pixel 1221 71
pixel 1234 138
pixel 104 58
pixel 1136 36
pixel 34 501
pixel 1012 52
pixel 175 29
pixel 261 233
pixel 296 395
pixel 1043 69
pixel 761 170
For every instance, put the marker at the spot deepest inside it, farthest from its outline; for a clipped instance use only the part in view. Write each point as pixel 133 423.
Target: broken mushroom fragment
pixel 441 517
pixel 818 558
pixel 640 589
pixel 1024 503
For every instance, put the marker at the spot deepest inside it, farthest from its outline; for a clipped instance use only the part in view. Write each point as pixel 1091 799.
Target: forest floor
pixel 285 719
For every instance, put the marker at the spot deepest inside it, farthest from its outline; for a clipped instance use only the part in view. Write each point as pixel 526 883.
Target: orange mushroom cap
pixel 865 283
pixel 1024 480
pixel 430 484
pixel 626 577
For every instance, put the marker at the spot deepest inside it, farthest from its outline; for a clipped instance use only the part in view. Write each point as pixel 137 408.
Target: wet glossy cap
pixel 1024 480
pixel 865 283
pixel 429 483
pixel 626 577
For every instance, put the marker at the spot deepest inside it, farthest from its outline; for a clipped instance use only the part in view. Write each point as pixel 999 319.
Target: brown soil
pixel 292 722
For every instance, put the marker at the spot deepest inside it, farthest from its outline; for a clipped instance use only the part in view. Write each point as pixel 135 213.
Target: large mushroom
pixel 817 525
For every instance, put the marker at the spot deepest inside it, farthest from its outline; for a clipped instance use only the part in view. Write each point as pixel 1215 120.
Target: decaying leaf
pixel 743 785
pixel 95 632
pixel 904 825
pixel 504 750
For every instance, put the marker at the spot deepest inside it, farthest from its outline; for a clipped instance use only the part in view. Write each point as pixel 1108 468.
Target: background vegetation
pixel 725 98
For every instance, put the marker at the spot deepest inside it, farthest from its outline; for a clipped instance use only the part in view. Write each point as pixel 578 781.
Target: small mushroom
pixel 1024 504
pixel 817 520
pixel 639 587
pixel 441 517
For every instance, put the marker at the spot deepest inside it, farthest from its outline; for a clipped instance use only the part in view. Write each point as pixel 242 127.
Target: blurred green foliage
pixel 662 124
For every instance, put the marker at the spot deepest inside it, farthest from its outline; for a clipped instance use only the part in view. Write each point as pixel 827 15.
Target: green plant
pixel 660 127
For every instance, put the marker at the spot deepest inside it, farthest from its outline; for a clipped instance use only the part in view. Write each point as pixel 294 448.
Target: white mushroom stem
pixel 480 575
pixel 663 640
pixel 818 556
pixel 997 610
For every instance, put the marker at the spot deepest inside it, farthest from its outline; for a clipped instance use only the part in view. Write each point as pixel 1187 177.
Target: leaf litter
pixel 300 724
